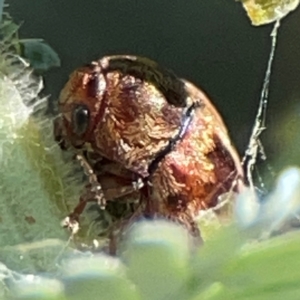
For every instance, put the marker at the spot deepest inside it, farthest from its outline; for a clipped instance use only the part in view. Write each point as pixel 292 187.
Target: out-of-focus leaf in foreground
pixel 266 270
pixel 159 267
pixel 263 12
pixel 158 262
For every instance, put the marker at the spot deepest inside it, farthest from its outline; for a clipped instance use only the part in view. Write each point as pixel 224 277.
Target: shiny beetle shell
pixel 138 122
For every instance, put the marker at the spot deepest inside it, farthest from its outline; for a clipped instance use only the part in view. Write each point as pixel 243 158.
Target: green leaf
pixel 33 193
pixel 38 288
pixel 41 56
pixel 268 270
pixel 158 257
pixel 8 29
pixel 98 277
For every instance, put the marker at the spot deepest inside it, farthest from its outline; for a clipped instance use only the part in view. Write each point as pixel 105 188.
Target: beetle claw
pixel 71 224
pixel 138 184
pixel 101 201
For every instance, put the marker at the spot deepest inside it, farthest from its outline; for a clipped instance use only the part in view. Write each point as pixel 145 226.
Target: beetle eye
pixel 80 119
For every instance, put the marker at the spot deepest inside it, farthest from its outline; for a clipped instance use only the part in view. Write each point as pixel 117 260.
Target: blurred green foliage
pixel 38 54
pixel 159 266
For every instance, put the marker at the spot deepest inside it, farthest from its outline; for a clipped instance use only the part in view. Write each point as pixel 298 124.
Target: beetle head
pixel 79 104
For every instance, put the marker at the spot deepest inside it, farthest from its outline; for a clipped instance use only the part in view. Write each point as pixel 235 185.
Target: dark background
pixel 211 43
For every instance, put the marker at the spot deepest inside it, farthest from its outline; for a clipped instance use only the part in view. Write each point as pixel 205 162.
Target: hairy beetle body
pixel 148 136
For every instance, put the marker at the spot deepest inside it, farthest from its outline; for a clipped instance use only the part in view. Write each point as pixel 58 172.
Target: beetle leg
pixel 72 220
pixel 115 187
pixel 93 180
pixel 115 180
pixel 120 172
pixel 107 182
pixel 116 169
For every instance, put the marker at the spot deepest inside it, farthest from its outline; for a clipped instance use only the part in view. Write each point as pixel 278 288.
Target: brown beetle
pixel 148 138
